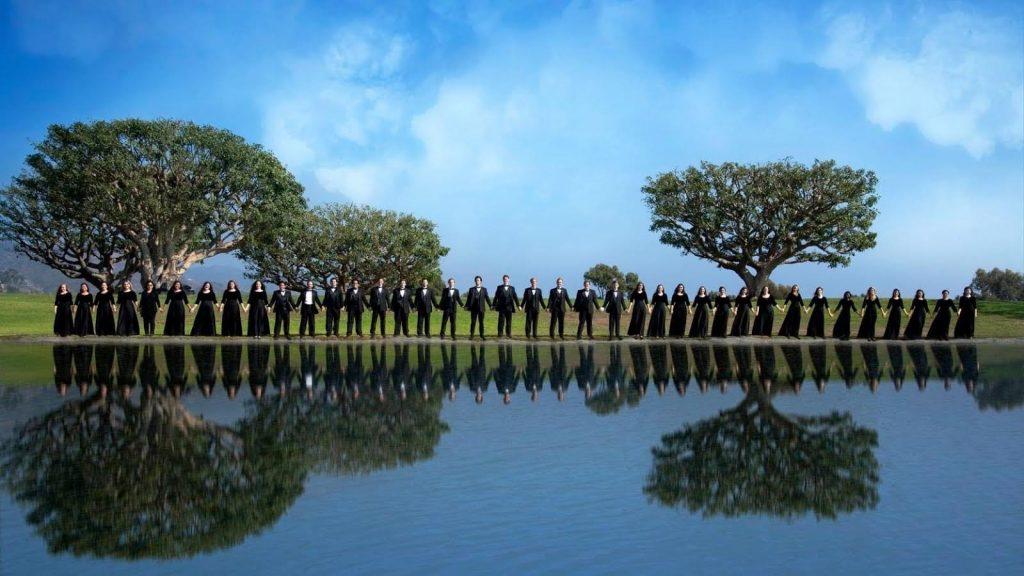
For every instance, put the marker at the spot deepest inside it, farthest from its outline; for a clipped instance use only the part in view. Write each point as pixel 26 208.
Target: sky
pixel 526 130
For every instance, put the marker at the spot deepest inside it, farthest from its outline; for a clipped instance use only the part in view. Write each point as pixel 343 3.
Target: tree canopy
pixel 103 201
pixel 999 284
pixel 601 276
pixel 753 218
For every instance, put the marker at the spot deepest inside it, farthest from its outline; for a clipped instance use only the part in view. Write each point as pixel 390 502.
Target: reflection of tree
pixel 754 460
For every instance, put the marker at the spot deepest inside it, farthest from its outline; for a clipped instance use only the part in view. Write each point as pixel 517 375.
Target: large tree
pixel 347 240
pixel 753 218
pixel 107 200
pixel 601 276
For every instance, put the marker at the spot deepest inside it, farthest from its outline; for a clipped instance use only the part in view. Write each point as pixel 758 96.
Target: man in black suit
pixel 614 305
pixel 334 300
pixel 354 306
pixel 506 302
pixel 450 302
pixel 586 305
pixel 425 304
pixel 477 302
pixel 533 303
pixel 558 304
pixel 379 305
pixel 309 305
pixel 281 304
pixel 401 305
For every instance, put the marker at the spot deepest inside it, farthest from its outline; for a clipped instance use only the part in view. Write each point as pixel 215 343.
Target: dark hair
pixel 63 285
pixel 205 284
pixel 475 278
pixel 847 295
pixel 253 287
pixel 178 284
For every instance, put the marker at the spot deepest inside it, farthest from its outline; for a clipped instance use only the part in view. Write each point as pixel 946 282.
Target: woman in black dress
pixel 722 305
pixel 659 313
pixel 205 323
pixel 944 309
pixel 701 308
pixel 680 308
pixel 968 311
pixel 231 311
pixel 743 309
pixel 869 315
pixel 259 321
pixel 918 313
pixel 794 304
pixel 818 306
pixel 149 305
pixel 895 312
pixel 638 304
pixel 764 317
pixel 105 311
pixel 177 302
pixel 63 319
pixel 846 307
pixel 127 317
pixel 83 311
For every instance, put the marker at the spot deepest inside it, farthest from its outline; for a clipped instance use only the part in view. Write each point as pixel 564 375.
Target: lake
pixel 653 458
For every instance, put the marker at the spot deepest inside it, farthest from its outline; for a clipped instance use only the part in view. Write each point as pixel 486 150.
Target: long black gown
pixel 892 325
pixel 231 317
pixel 259 322
pixel 944 309
pixel 63 322
pixel 791 323
pixel 205 323
pixel 659 313
pixel 816 325
pixel 105 314
pixel 741 323
pixel 870 309
pixel 765 316
pixel 127 318
pixel 149 303
pixel 83 315
pixel 639 317
pixel 841 329
pixel 176 302
pixel 680 307
pixel 965 322
pixel 699 325
pixel 918 312
pixel 720 324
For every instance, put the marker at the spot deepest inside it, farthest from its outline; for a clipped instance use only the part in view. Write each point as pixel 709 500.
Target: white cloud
pixel 361 182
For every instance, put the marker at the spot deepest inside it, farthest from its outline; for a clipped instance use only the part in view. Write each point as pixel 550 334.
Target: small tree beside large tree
pixel 753 218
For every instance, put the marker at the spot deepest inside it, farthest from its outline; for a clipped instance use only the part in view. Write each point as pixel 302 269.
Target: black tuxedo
pixel 505 302
pixel 533 303
pixel 477 302
pixel 401 305
pixel 614 305
pixel 450 302
pixel 425 303
pixel 586 306
pixel 308 312
pixel 282 305
pixel 354 305
pixel 379 303
pixel 334 300
pixel 558 305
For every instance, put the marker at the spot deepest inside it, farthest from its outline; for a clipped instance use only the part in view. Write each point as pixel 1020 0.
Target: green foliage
pixel 999 284
pixel 602 275
pixel 753 218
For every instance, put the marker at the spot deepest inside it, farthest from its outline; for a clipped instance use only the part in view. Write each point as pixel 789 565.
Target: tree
pixel 753 218
pixel 349 241
pixel 999 284
pixel 106 200
pixel 601 276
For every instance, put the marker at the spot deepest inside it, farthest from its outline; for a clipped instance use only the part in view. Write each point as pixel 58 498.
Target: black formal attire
pixel 615 306
pixel 149 304
pixel 477 302
pixel 944 309
pixel 765 316
pixel 870 309
pixel 127 317
pixel 355 303
pixel 334 301
pixel 83 315
pixel 680 309
pixel 105 325
pixel 918 313
pixel 720 324
pixel 451 301
pixel 965 322
pixel 175 322
pixel 741 321
pixel 309 306
pixel 638 320
pixel 816 325
pixel 699 325
pixel 63 320
pixel 558 304
pixel 231 315
pixel 259 322
pixel 533 303
pixel 892 326
pixel 505 302
pixel 379 304
pixel 841 329
pixel 586 306
pixel 425 304
pixel 282 305
pixel 659 315
pixel 205 323
pixel 401 306
pixel 791 322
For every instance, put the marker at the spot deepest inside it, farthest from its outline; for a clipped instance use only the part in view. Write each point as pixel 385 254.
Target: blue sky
pixel 525 130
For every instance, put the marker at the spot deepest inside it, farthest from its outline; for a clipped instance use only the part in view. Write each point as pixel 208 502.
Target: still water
pixel 415 458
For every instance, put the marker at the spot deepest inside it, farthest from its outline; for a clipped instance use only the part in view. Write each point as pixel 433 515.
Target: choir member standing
pixel 309 306
pixel 127 316
pixel 451 301
pixel 205 322
pixel 701 307
pixel 895 312
pixel 586 306
pixel 659 313
pixel 477 302
pixel 83 311
pixel 794 303
pixel 176 302
pixel 846 307
pixel 533 303
pixel 819 307
pixel 945 307
pixel 722 305
pixel 401 307
pixel 231 310
pixel 259 322
pixel 105 311
pixel 869 311
pixel 918 312
pixel 558 304
pixel 506 301
pixel 614 305
pixel 63 319
pixel 968 311
pixel 355 303
pixel 149 305
pixel 425 304
pixel 282 305
pixel 765 313
pixel 680 308
pixel 379 302
pixel 638 305
pixel 334 301
pixel 743 309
